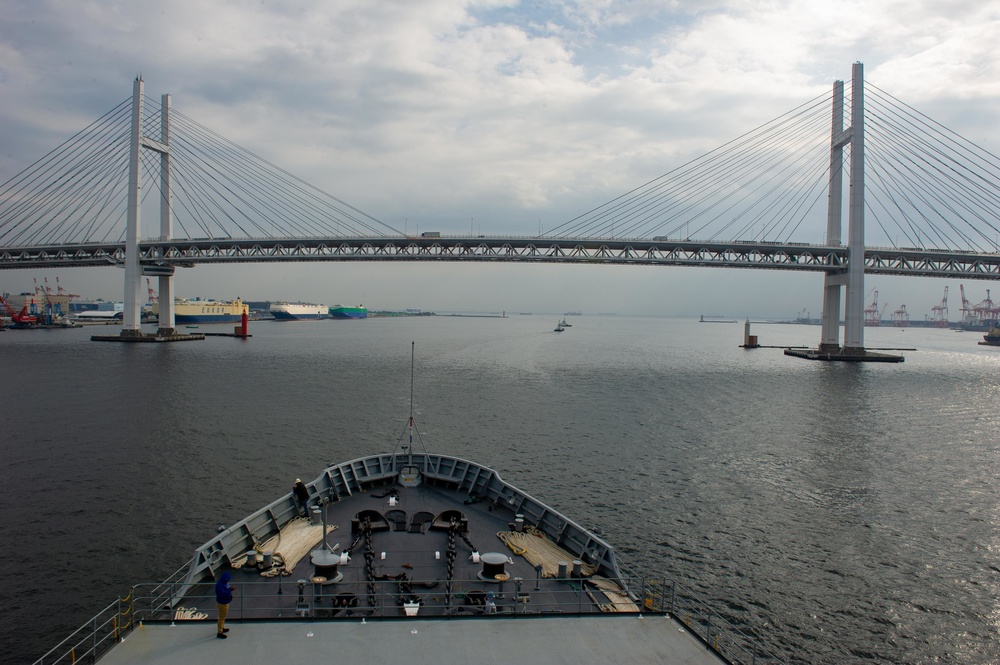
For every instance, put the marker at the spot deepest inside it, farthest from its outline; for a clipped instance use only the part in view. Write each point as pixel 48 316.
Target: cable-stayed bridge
pixel 924 199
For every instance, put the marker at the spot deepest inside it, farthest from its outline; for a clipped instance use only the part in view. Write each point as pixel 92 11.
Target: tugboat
pixel 992 338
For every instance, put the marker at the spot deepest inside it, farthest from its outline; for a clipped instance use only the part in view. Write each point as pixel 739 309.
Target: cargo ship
pixel 298 311
pixel 189 311
pixel 348 312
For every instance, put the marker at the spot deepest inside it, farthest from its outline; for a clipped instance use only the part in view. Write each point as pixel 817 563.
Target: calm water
pixel 848 513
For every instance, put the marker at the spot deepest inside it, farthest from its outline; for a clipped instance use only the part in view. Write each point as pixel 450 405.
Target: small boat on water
pixel 409 552
pixel 559 328
pixel 563 324
pixel 992 338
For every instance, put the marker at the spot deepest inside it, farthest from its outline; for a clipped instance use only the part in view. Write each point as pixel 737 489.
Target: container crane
pixel 153 298
pixel 939 312
pixel 48 313
pixel 872 316
pixel 967 315
pixel 61 291
pixel 901 317
pixel 985 310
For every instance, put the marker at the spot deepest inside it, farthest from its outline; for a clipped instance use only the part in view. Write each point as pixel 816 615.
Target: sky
pixel 496 116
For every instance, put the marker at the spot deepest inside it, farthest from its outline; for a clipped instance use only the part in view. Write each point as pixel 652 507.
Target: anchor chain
pixel 366 531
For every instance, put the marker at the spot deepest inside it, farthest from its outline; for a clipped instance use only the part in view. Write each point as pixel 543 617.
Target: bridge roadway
pixel 162 257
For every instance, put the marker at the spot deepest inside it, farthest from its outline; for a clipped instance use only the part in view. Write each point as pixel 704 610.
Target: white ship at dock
pixel 299 311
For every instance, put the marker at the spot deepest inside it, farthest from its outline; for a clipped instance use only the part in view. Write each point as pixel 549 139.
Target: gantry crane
pixel 61 291
pixel 939 312
pixel 986 310
pixel 872 315
pixel 901 317
pixel 967 315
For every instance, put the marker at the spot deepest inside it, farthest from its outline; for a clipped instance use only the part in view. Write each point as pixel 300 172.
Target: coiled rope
pixel 295 540
pixel 186 613
pixel 539 550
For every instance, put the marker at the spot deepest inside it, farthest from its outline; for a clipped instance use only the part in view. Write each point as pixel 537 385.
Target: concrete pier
pixel 844 355
pixel 141 338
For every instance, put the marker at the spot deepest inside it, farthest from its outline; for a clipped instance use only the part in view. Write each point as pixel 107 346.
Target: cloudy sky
pixel 489 115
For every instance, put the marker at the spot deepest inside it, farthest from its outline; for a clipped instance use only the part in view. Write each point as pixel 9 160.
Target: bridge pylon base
pixel 134 336
pixel 843 354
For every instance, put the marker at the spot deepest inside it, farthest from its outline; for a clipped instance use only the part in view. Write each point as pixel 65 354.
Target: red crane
pixel 20 320
pixel 901 317
pixel 985 310
pixel 966 306
pixel 872 315
pixel 61 291
pixel 939 312
pixel 153 298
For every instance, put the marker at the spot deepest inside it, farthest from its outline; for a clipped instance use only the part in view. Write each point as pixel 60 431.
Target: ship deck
pixel 409 563
pixel 402 582
pixel 618 638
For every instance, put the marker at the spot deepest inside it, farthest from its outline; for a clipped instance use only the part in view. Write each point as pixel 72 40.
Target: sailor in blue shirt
pixel 223 596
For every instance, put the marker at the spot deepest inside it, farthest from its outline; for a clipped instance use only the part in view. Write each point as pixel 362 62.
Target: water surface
pixel 847 513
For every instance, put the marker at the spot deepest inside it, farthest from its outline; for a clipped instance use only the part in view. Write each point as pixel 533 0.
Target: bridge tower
pixel 133 268
pixel 854 277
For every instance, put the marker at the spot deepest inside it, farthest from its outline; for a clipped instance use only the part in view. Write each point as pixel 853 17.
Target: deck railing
pixel 285 599
pixel 667 596
pixel 91 640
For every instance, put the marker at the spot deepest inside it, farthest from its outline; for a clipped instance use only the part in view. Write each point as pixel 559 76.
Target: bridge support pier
pixel 833 283
pixel 853 278
pixel 134 270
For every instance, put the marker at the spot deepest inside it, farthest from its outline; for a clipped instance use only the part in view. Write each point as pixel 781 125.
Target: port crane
pixel 986 310
pixel 982 312
pixel 873 316
pixel 967 315
pixel 901 317
pixel 153 298
pixel 21 319
pixel 939 312
pixel 62 292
